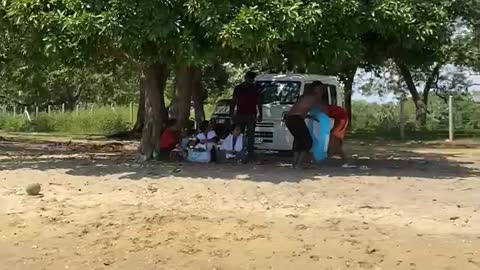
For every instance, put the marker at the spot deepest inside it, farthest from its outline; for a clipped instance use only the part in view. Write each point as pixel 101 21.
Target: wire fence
pixel 30 112
pixel 81 119
pixel 456 118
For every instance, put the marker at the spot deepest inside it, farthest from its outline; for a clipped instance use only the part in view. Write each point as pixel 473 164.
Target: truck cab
pixel 279 93
pixel 220 119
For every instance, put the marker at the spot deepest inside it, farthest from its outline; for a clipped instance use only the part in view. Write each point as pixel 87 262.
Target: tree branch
pixel 15 101
pixel 434 75
pixel 444 98
pixel 407 76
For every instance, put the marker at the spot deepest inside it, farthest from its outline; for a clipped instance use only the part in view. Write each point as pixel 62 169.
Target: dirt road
pixel 412 209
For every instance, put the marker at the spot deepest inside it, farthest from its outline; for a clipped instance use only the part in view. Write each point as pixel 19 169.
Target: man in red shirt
pixel 246 110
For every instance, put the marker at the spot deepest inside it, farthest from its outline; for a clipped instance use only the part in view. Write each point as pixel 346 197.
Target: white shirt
pixel 210 135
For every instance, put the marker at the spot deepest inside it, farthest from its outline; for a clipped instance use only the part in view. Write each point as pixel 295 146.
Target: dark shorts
pixel 302 140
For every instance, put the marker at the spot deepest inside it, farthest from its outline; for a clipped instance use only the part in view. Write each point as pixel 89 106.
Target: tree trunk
pixel 141 108
pixel 432 77
pixel 162 76
pixel 173 108
pixel 155 112
pixel 420 104
pixel 185 75
pixel 348 91
pixel 199 96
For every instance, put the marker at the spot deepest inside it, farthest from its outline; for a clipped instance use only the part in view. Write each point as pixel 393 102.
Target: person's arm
pixel 233 103
pixel 259 106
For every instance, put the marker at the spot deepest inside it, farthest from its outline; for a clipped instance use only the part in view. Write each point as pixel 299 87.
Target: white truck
pixel 279 92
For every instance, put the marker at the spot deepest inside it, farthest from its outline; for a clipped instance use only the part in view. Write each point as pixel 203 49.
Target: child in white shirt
pixel 206 137
pixel 232 147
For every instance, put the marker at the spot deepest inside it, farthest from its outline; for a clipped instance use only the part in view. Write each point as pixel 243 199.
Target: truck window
pixel 279 92
pixel 332 93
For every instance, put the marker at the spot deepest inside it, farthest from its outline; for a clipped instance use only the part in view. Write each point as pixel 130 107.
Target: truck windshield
pixel 222 107
pixel 279 92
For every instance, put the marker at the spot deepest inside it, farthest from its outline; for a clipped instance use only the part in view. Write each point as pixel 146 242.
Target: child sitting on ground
pixel 206 137
pixel 169 138
pixel 204 150
pixel 181 150
pixel 232 147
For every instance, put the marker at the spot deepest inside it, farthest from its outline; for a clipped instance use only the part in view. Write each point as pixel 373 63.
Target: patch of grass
pixel 103 120
pixel 10 123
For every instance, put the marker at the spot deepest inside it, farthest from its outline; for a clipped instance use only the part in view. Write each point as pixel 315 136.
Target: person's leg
pixel 334 147
pixel 292 126
pixel 341 135
pixel 241 156
pixel 221 156
pixel 336 140
pixel 251 139
pixel 242 124
pixel 306 145
pixel 296 154
pixel 341 152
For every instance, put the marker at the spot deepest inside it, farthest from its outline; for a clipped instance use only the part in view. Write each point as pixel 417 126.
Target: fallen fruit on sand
pixel 33 189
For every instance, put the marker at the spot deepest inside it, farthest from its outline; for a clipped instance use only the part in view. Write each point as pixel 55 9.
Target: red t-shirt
pixel 246 98
pixel 169 139
pixel 337 113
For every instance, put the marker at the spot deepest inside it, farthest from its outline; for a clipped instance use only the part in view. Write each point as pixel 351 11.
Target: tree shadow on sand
pixel 117 161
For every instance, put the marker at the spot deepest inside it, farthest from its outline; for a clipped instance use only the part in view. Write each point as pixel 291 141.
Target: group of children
pixel 202 146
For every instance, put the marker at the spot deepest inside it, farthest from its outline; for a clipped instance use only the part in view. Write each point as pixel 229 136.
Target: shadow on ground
pixel 118 160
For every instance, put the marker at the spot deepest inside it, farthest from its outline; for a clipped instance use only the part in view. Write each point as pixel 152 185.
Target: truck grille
pixel 267 125
pixel 261 134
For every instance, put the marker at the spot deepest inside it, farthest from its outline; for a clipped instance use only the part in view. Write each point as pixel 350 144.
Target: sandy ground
pixel 416 208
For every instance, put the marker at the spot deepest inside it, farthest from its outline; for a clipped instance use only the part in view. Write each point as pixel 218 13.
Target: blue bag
pixel 320 132
pixel 199 156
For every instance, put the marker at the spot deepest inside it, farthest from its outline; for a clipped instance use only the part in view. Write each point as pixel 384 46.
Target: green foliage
pixel 103 120
pixel 384 120
pixel 10 123
pixel 71 51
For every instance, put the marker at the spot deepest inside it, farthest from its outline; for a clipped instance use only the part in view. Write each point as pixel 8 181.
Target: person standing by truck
pixel 246 110
pixel 295 122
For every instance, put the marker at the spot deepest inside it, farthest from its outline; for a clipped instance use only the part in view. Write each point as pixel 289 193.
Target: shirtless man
pixel 295 122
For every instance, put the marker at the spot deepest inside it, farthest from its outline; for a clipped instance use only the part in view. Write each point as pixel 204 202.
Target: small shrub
pixel 42 123
pixel 114 125
pixel 10 123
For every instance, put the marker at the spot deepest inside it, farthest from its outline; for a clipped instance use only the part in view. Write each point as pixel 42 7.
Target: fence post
pixel 14 111
pixel 91 109
pixel 36 111
pixel 77 109
pixel 49 109
pixel 63 108
pixel 131 111
pixel 450 118
pixel 402 119
pixel 27 114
